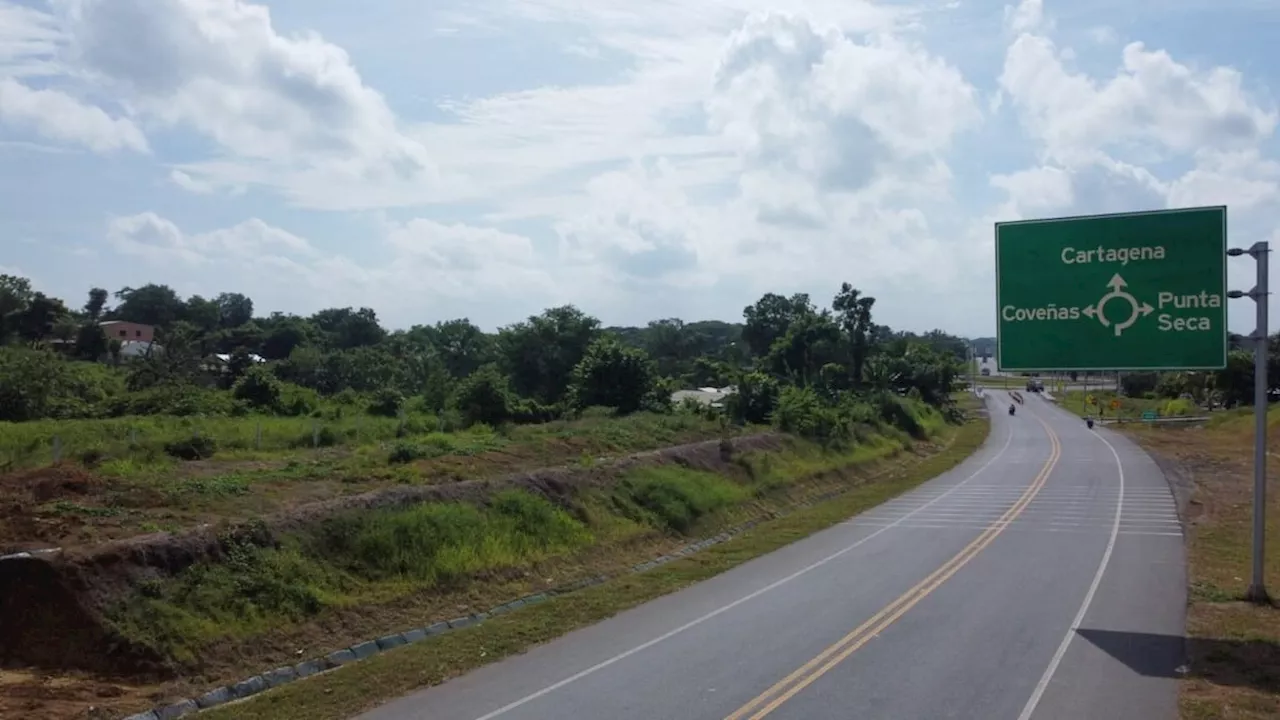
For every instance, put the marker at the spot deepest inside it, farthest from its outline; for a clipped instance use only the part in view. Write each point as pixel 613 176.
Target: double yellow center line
pixel 791 685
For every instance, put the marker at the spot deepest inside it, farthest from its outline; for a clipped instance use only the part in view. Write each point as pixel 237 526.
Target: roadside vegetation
pixel 1233 646
pixel 269 486
pixel 352 689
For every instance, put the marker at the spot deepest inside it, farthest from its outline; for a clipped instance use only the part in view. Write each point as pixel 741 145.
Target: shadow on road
pixel 1248 663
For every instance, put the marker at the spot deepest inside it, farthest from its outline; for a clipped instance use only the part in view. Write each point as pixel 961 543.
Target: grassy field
pixel 121 492
pixel 367 557
pixel 351 689
pixel 363 574
pixel 1234 646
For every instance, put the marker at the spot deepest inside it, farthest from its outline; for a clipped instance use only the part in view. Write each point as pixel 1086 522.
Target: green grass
pixel 354 688
pixel 136 445
pixel 362 557
pixel 675 498
pixel 349 559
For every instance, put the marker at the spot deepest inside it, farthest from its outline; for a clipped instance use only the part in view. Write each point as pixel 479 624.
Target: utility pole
pixel 1261 253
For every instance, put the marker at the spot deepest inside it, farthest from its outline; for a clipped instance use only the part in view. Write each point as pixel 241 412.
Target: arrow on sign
pixel 1117 283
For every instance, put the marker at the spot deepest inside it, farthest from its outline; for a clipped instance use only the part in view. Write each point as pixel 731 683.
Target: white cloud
pixel 160 240
pixel 1104 35
pixel 426 262
pixel 1244 180
pixel 1037 189
pixel 58 116
pixel 810 98
pixel 291 112
pixel 28 40
pixel 1153 103
pixel 1027 16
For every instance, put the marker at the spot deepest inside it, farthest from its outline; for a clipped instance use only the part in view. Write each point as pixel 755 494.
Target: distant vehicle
pixel 986 372
pixel 1034 385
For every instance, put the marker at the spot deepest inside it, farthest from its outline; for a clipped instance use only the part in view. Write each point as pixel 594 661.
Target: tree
pixel 151 304
pixel 15 295
pixel 769 318
pixel 854 313
pixel 96 304
pixel 346 328
pixel 540 354
pixel 755 398
pixel 283 336
pixel 178 363
pixel 670 344
pixel 202 313
pixel 37 321
pixel 462 346
pixel 810 342
pixel 91 342
pixel 247 336
pixel 234 310
pixel 239 362
pixel 613 375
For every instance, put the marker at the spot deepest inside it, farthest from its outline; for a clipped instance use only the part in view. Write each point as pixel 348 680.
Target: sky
pixel 673 158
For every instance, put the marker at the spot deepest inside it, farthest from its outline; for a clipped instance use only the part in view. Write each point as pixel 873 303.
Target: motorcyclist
pixel 1012 408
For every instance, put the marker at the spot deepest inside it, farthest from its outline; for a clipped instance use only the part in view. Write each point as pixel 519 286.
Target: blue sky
pixel 673 158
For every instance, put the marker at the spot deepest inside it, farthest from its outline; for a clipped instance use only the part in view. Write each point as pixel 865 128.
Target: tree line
pixel 56 361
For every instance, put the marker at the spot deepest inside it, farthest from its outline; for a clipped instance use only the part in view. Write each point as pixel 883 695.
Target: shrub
pixel 1178 408
pixel 897 412
pixel 347 397
pixel 800 411
pixel 405 452
pixel 528 410
pixel 92 457
pixel 484 397
pixel 387 402
pixel 196 447
pixel 173 399
pixel 755 399
pixel 297 401
pixel 319 436
pixel 258 388
pixel 38 384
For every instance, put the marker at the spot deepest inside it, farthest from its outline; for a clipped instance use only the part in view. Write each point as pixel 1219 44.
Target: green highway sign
pixel 1149 415
pixel 1130 291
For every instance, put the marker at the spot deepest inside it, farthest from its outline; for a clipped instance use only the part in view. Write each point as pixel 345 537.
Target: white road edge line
pixel 725 608
pixel 1034 700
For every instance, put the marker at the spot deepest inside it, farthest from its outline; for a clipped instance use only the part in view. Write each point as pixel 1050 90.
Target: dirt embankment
pixel 51 606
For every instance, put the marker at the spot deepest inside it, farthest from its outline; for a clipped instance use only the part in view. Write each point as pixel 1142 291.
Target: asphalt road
pixel 1042 579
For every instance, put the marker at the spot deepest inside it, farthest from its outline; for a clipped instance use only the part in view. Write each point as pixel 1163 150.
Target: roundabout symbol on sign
pixel 1137 309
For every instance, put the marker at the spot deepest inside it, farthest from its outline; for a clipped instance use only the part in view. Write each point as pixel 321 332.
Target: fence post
pixel 315 433
pixel 257 436
pixel 57 448
pixel 133 437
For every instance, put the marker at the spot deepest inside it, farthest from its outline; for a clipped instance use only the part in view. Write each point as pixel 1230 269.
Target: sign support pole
pixel 1261 253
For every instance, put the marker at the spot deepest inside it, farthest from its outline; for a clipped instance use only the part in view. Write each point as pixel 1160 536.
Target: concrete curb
pixel 362 650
